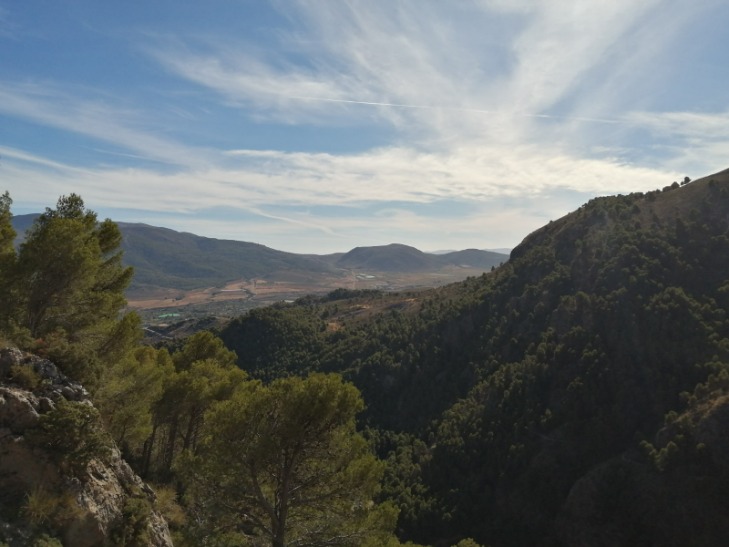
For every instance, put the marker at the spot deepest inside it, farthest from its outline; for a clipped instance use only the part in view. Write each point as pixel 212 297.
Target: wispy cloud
pixel 7 28
pixel 281 188
pixel 388 56
pixel 563 42
pixel 50 105
pixel 484 103
pixel 426 66
pixel 686 125
pixel 690 141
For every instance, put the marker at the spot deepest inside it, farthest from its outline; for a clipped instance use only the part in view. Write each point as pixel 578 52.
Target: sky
pixel 316 126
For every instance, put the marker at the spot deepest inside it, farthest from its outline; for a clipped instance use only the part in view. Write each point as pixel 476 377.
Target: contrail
pixel 319 227
pixel 458 109
pixel 124 155
pixel 371 103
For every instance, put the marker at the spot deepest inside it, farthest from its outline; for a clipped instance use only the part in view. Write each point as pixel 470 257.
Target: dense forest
pixel 572 397
pixel 577 395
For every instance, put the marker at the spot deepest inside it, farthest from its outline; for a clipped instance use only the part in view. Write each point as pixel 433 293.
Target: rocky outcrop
pixel 103 502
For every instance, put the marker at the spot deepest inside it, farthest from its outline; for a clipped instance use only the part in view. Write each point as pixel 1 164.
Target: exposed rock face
pixel 87 509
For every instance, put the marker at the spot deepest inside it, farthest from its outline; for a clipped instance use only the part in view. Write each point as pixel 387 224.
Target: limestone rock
pixel 88 507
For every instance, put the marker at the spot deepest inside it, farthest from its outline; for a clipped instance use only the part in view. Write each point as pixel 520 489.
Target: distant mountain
pixel 21 223
pixel 501 250
pixel 402 258
pixel 388 258
pixel 166 258
pixel 474 258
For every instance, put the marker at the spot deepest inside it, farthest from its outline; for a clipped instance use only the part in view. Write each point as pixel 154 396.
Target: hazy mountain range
pixel 162 257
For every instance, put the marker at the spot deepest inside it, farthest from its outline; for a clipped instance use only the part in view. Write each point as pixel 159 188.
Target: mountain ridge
pixel 163 257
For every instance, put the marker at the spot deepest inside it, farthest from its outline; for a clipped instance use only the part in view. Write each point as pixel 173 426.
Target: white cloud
pixel 405 61
pixel 689 142
pixel 49 105
pixel 433 71
pixel 685 125
pixel 277 189
pixel 564 40
pixel 490 101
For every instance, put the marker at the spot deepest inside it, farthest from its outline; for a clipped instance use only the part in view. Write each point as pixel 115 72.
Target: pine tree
pixel 284 465
pixel 69 285
pixel 7 257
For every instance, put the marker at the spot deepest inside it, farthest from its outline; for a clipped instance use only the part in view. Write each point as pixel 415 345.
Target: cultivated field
pixel 159 305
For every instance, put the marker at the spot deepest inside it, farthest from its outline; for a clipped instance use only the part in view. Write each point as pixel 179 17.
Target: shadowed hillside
pixel 167 258
pixel 571 397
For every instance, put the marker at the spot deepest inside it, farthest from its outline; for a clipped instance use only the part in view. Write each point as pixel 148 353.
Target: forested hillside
pixel 573 397
pixel 234 462
pixel 578 395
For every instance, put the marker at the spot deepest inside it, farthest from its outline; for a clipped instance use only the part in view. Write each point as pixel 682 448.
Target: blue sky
pixel 321 125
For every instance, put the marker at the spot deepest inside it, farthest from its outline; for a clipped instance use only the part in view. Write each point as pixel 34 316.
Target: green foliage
pixel 681 445
pixel 46 508
pixel 40 506
pixel 46 541
pixel 133 530
pixel 468 542
pixel 73 433
pixel 7 233
pixel 7 258
pixel 128 390
pixel 25 377
pixel 64 266
pixel 276 341
pixel 66 288
pixel 285 463
pixel 406 457
pixel 167 505
pixel 203 346
pixel 507 389
pixel 203 373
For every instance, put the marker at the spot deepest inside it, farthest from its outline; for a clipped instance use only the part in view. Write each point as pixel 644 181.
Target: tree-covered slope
pixel 596 327
pixel 514 398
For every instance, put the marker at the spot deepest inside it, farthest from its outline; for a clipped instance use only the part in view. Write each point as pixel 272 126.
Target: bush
pixel 47 541
pixel 40 506
pixel 73 433
pixel 45 508
pixel 167 505
pixel 133 530
pixel 25 377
